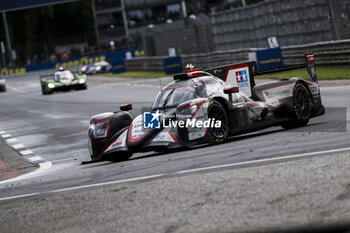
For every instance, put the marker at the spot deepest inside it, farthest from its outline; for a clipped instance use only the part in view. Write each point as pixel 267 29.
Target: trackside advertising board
pixel 269 59
pixel 172 65
pixel 118 66
pixel 116 59
pixel 21 4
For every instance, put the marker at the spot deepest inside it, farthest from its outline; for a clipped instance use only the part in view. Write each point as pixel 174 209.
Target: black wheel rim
pixel 216 113
pixel 303 104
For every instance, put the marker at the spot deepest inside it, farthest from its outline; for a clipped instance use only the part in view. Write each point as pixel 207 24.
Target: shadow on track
pixel 159 153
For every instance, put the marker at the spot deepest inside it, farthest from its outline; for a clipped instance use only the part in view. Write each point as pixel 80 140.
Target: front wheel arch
pixel 217 135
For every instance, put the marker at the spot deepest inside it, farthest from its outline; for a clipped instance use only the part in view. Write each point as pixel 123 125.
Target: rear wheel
pixel 47 92
pixel 302 104
pixel 2 88
pixel 217 112
pixel 81 87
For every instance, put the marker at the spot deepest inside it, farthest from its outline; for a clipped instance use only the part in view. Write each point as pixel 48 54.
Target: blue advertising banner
pixel 269 59
pixel 20 4
pixel 116 58
pixel 118 66
pixel 172 65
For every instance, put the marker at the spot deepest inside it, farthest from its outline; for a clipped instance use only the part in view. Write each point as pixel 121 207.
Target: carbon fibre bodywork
pixel 192 96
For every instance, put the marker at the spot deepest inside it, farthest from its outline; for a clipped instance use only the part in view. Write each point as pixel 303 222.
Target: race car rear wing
pixel 242 74
pixel 309 65
pixel 45 77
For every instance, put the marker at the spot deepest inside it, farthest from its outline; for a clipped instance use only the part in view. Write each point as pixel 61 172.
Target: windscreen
pixel 171 97
pixel 64 75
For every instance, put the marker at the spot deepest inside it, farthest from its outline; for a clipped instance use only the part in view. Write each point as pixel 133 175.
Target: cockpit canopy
pixel 181 91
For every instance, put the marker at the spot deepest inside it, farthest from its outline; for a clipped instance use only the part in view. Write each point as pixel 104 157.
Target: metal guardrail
pixel 326 53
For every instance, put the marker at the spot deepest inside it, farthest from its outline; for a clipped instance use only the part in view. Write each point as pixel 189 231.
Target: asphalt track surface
pixel 55 128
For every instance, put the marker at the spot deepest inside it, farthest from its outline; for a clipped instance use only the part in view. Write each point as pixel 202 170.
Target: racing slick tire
pixel 46 92
pixel 81 87
pixel 217 111
pixel 2 88
pixel 302 106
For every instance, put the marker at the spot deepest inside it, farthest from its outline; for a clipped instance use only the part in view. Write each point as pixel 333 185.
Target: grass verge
pixel 138 74
pixel 323 73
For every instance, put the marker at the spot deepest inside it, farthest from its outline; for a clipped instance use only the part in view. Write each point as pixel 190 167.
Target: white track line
pixel 258 161
pixel 81 187
pixel 26 152
pixel 276 159
pixel 19 196
pixel 10 140
pixel 44 166
pixel 18 146
pixel 35 158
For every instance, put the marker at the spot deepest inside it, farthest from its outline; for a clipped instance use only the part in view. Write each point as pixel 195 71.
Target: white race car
pixel 96 68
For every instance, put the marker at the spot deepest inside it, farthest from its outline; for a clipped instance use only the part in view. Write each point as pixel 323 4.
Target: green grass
pixel 138 74
pixel 323 73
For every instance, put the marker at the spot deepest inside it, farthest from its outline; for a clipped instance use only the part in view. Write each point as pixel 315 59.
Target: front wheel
pixel 81 87
pixel 217 112
pixel 302 104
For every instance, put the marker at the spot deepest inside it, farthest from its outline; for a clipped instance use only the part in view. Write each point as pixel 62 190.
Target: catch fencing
pixel 326 53
pixel 293 22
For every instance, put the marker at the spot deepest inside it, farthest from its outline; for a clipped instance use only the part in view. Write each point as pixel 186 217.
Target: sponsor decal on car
pixel 275 94
pixel 314 89
pixel 239 76
pixel 117 143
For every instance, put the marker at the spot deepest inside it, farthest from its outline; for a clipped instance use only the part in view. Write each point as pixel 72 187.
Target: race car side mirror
pixel 231 90
pixel 126 107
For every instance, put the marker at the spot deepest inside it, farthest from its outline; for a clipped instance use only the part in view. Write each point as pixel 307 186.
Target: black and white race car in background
pixel 2 85
pixel 224 100
pixel 96 68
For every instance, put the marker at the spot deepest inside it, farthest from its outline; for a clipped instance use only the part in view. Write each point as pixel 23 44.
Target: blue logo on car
pixel 152 120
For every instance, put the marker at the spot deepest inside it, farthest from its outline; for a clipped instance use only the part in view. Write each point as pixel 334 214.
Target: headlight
pixel 99 129
pixel 51 85
pixel 83 69
pixel 81 81
pixel 98 68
